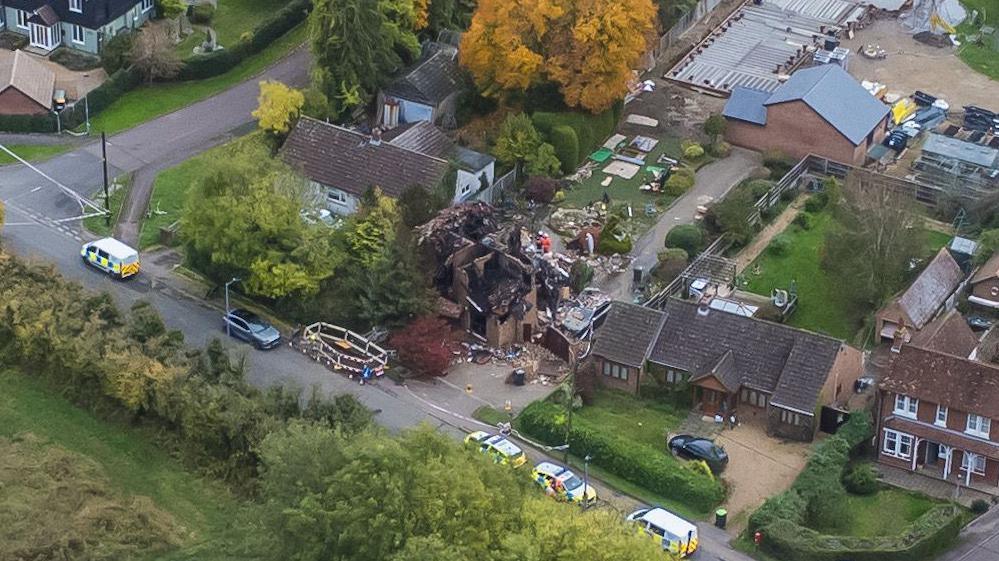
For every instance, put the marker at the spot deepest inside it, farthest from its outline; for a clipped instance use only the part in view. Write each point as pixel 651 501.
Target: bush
pixel 28 123
pixel 979 506
pixel 591 130
pixel 816 202
pixel 566 145
pixel 637 463
pixel 540 189
pixel 115 53
pixel 669 264
pixel 688 237
pixel 759 187
pixel 580 275
pixel 861 479
pixel 778 163
pixel 693 153
pixel 612 240
pixel 679 183
pixel 804 221
pixel 202 14
pixel 720 149
pixel 559 196
pixel 779 246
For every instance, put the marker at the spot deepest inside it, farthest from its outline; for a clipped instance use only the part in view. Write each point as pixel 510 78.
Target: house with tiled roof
pixel 428 91
pixel 732 364
pixel 83 25
pixel 342 164
pixel 923 299
pixel 935 416
pixel 26 85
pixel 985 284
pixel 820 110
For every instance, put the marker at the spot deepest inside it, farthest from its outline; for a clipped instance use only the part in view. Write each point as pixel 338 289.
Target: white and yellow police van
pixel 112 257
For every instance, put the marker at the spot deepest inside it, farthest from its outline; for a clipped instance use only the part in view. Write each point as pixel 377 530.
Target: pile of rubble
pixel 540 366
pixel 570 222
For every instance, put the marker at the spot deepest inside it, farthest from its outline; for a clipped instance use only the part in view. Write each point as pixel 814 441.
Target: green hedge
pixel 117 85
pixel 566 145
pixel 28 123
pixel 591 130
pixel 642 465
pixel 219 62
pixel 781 517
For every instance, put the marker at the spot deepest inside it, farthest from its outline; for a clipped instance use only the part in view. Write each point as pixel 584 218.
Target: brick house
pixel 923 299
pixel 26 85
pixel 731 363
pixel 935 414
pixel 820 110
pixel 985 284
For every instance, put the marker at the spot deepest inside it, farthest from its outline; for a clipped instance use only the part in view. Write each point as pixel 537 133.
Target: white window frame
pixel 614 370
pixel 82 32
pixel 941 419
pixel 897 444
pixel 22 19
pixel 906 406
pixel 942 451
pixel 76 6
pixel 790 417
pixel 147 5
pixel 977 425
pixel 674 376
pixel 336 196
pixel 979 460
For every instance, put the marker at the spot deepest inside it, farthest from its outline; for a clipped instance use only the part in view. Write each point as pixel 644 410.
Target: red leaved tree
pixel 424 345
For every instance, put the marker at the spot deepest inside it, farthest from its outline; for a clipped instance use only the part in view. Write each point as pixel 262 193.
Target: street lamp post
pixel 586 478
pixel 228 331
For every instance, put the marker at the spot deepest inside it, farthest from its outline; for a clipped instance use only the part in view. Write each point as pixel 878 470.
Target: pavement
pixel 979 541
pixel 711 182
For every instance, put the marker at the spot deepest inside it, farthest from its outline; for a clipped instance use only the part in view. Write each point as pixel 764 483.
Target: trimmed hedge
pixel 642 465
pixel 590 130
pixel 28 123
pixel 566 145
pixel 117 85
pixel 781 517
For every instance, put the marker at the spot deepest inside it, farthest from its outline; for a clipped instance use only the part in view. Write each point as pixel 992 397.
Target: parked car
pixel 564 484
pixel 112 257
pixel 250 327
pixel 672 533
pixel 979 322
pixel 697 448
pixel 497 447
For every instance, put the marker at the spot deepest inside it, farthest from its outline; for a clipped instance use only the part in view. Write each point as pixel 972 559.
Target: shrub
pixel 591 130
pixel 778 163
pixel 115 53
pixel 829 512
pixel 804 221
pixel 714 126
pixel 694 152
pixel 670 263
pixel 816 202
pixel 566 145
pixel 759 187
pixel 720 149
pixel 688 237
pixel 612 240
pixel 580 275
pixel 559 196
pixel 979 506
pixel 637 463
pixel 779 246
pixel 202 13
pixel 861 479
pixel 540 189
pixel 679 183
pixel 424 346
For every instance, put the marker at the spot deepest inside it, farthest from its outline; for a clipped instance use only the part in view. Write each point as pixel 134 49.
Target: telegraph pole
pixel 107 198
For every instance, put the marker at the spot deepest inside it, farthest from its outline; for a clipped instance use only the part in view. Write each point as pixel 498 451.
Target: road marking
pixel 36 189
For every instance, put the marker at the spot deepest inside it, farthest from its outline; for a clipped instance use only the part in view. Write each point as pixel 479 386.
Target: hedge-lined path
pixel 760 242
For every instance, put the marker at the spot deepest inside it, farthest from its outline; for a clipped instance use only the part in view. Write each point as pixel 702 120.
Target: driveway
pixel 712 182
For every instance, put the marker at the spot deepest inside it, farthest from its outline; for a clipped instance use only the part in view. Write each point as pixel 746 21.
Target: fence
pixel 490 194
pixel 702 265
pixel 685 22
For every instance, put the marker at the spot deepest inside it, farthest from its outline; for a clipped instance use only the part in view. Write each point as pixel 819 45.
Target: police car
pixel 501 450
pixel 112 257
pixel 565 484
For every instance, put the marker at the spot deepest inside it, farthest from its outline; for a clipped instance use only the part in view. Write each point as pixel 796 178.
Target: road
pixel 712 182
pixel 41 224
pixel 979 540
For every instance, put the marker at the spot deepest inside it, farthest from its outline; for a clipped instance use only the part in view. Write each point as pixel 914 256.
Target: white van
pixel 672 533
pixel 112 257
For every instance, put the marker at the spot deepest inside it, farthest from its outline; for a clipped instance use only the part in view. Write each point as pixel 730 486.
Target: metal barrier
pixel 490 194
pixel 341 349
pixel 695 268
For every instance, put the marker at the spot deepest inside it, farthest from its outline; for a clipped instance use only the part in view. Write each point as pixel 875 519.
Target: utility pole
pixel 228 330
pixel 572 394
pixel 586 479
pixel 107 198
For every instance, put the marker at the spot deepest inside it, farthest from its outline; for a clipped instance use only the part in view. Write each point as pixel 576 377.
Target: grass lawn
pixel 885 513
pixel 147 102
pixel 982 58
pixel 33 152
pixel 643 421
pixel 820 305
pixel 98 224
pixel 186 47
pixel 170 188
pixel 217 525
pixel 234 17
pixel 620 190
pixel 490 415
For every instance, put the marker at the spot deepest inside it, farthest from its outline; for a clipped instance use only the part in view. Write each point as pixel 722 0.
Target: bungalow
pixel 84 25
pixel 915 307
pixel 25 84
pixel 985 284
pixel 342 164
pixel 732 364
pixel 427 92
pixel 820 110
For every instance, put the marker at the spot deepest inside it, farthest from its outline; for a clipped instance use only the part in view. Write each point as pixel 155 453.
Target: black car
pixel 697 448
pixel 246 325
pixel 979 322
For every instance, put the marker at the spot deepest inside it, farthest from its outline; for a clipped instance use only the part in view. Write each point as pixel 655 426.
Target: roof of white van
pixel 670 522
pixel 115 247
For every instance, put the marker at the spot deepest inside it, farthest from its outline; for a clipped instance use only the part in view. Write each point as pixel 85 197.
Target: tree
pixel 278 107
pixel 988 244
pixel 540 189
pixel 357 45
pixel 416 206
pixel 373 228
pixel 391 289
pixel 877 235
pixel 688 237
pixel 580 275
pixel 731 216
pixel 153 54
pixel 520 144
pixel 115 53
pixel 424 346
pixel 588 47
pixel 670 263
pixel 714 126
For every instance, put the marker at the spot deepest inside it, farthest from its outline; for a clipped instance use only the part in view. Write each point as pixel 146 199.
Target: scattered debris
pixel 641 120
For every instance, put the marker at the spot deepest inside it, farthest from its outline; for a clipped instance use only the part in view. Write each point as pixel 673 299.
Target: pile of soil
pixel 932 39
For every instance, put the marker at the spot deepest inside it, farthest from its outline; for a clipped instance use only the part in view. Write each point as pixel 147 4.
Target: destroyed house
pixel 491 282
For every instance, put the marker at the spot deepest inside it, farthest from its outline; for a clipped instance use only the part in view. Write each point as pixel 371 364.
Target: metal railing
pixel 717 247
pixel 490 194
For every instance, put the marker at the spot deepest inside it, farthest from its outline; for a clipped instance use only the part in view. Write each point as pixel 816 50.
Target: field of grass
pixel 234 17
pixel 147 102
pixel 98 224
pixel 982 58
pixel 212 523
pixel 33 152
pixel 885 513
pixel 620 190
pixel 820 304
pixel 643 421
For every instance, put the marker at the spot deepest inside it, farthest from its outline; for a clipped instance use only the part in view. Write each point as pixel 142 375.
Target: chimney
pixel 899 339
pixel 376 137
pixel 704 304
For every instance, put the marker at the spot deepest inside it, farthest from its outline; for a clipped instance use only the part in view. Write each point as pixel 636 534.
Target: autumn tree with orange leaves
pixel 587 47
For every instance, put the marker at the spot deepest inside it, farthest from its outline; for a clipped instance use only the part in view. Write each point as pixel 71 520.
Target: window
pixel 674 376
pixel 76 6
pixel 147 5
pixel 465 189
pixel 615 370
pixel 897 444
pixel 753 397
pixel 22 19
pixel 77 33
pixel 977 463
pixel 941 419
pixel 336 196
pixel 906 406
pixel 790 418
pixel 978 426
pixel 943 452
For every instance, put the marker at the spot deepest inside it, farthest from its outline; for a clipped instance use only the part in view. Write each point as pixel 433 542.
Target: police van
pixel 672 533
pixel 112 257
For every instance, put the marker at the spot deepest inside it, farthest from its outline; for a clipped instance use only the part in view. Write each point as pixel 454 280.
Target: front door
pixel 710 401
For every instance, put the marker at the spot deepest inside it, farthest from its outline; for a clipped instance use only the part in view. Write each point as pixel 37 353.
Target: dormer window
pixel 906 406
pixel 76 6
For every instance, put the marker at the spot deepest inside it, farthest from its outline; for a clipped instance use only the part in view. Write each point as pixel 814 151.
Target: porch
pixel 929 484
pixel 953 464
